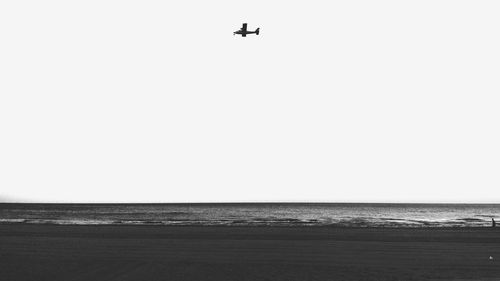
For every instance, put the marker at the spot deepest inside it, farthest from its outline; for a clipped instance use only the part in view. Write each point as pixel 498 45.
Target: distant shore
pixel 58 252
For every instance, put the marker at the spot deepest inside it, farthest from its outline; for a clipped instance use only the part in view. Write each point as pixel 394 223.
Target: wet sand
pixel 51 252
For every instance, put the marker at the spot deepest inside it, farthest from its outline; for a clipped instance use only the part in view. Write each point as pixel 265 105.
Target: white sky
pixel 338 101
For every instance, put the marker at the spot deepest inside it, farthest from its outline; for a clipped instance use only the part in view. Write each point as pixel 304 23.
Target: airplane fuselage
pixel 244 32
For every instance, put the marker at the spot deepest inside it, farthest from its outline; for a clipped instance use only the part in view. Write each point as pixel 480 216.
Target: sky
pixel 334 101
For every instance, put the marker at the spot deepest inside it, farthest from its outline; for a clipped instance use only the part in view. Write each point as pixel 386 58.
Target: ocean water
pixel 256 214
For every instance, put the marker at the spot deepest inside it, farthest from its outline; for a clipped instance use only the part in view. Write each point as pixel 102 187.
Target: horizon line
pixel 249 202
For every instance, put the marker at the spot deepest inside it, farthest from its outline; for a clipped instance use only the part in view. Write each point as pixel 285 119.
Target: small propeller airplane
pixel 243 31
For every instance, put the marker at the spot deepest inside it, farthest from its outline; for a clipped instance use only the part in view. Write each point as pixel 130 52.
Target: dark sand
pixel 49 252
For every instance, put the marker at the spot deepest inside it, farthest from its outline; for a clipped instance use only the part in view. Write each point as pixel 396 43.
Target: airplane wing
pixel 244 27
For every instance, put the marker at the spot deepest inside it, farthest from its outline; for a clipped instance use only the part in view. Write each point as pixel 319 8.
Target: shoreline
pixel 298 224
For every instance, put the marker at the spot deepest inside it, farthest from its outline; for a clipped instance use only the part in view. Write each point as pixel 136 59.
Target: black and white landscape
pixel 261 140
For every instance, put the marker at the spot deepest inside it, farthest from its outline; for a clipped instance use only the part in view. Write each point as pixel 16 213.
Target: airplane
pixel 243 31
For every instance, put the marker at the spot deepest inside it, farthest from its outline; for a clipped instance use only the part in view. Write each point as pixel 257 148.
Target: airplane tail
pixel 257 31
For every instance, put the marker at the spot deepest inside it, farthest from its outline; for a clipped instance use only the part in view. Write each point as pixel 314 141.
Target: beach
pixel 125 252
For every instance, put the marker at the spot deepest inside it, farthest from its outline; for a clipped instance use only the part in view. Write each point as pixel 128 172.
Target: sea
pixel 255 214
